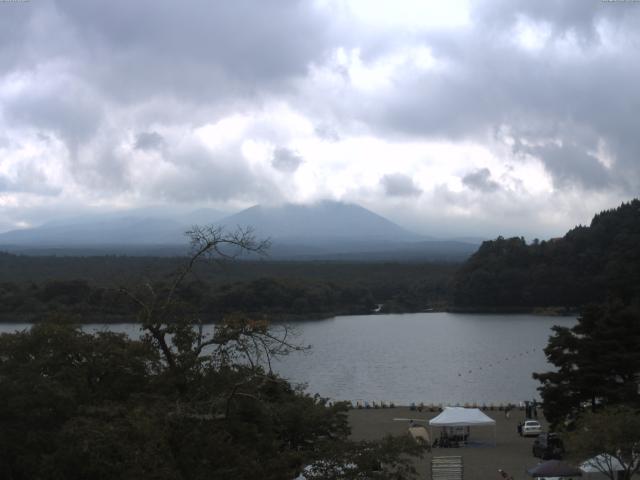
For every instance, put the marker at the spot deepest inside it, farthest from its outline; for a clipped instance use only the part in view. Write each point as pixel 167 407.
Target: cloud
pixel 481 180
pixel 149 141
pixel 572 164
pixel 285 160
pixel 399 185
pixel 27 178
pixel 49 100
pixel 545 72
pixel 194 173
pixel 327 132
pixel 161 102
pixel 569 17
pixel 201 52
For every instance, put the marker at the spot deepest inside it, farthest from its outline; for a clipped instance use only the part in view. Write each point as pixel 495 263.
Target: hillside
pixel 138 227
pixel 326 230
pixel 320 223
pixel 588 264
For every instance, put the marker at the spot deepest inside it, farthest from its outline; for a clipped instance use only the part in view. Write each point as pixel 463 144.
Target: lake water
pixel 423 357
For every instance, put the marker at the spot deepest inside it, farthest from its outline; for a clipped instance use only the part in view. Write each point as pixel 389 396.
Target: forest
pixel 589 264
pixel 91 287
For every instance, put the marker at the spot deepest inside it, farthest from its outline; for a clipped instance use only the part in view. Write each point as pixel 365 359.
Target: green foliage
pixel 278 296
pixel 176 404
pixel 287 290
pixel 587 265
pixel 52 373
pixel 612 436
pixel 597 360
pixel 75 405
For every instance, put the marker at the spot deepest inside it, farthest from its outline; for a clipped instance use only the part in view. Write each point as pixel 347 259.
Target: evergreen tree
pixel 597 360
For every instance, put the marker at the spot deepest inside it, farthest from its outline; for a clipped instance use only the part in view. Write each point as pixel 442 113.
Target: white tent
pixel 462 417
pixel 601 464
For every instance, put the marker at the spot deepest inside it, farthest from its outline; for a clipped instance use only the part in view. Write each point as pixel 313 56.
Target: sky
pixel 451 118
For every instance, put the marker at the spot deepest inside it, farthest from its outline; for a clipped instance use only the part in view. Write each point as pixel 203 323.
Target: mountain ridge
pixel 325 230
pixel 323 220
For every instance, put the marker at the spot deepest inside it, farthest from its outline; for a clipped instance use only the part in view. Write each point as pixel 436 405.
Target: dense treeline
pixel 278 289
pixel 589 264
pixel 107 270
pixel 266 296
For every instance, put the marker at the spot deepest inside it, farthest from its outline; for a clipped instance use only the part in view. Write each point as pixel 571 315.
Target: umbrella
pixel 554 468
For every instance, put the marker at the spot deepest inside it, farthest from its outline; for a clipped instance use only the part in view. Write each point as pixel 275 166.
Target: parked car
pixel 531 428
pixel 548 446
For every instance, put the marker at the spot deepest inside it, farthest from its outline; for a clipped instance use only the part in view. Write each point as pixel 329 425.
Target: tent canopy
pixel 461 417
pixel 554 468
pixel 602 461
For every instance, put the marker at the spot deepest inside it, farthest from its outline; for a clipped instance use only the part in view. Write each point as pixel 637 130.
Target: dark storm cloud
pixel 196 50
pixel 399 185
pixel 149 141
pixel 481 180
pixel 66 109
pixel 579 17
pixel 571 165
pixel 286 160
pixel 91 73
pixel 133 52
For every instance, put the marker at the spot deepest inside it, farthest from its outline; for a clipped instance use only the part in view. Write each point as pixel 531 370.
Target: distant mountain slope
pixel 323 231
pixel 587 265
pixel 321 223
pixel 135 227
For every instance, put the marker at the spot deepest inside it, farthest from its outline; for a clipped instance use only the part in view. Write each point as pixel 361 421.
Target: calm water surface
pixel 423 357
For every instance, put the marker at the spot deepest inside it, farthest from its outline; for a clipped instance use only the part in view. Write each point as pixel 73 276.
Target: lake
pixel 423 357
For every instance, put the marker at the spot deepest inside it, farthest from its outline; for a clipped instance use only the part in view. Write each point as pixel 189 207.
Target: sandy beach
pixel 481 459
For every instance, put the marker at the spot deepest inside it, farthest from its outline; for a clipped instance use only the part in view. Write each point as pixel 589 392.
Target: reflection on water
pixel 423 357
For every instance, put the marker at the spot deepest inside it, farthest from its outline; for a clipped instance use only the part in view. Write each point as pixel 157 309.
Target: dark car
pixel 548 446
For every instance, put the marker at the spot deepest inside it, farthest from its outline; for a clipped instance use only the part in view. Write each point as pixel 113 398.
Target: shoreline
pixel 112 319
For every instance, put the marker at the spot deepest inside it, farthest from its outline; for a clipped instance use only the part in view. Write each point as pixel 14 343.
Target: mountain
pixel 339 231
pixel 319 223
pixel 323 231
pixel 148 226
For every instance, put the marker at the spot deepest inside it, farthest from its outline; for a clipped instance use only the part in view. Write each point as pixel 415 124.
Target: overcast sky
pixel 449 117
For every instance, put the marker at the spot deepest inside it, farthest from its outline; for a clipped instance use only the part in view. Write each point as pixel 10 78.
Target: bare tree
pixel 178 333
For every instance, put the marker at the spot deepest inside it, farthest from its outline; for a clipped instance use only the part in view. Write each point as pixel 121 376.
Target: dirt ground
pixel 481 459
